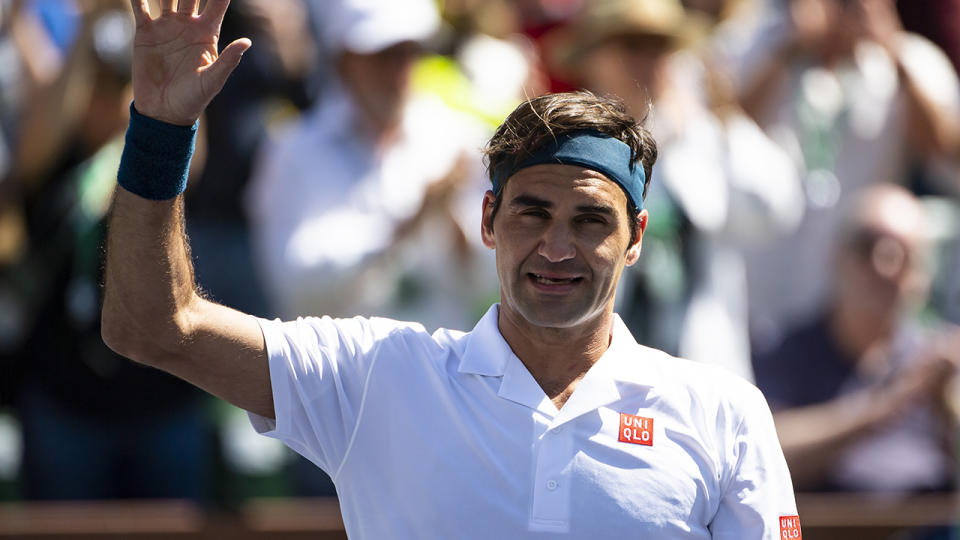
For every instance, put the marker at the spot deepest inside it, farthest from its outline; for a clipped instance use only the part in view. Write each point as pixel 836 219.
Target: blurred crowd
pixel 804 214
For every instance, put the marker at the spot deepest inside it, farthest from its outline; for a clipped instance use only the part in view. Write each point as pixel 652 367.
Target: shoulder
pixel 359 337
pixel 708 387
pixel 696 375
pixel 798 349
pixel 359 334
pixel 426 116
pixel 915 47
pixel 319 126
pixel 929 67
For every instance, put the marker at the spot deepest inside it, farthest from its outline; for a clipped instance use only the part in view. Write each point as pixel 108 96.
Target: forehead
pixel 893 214
pixel 565 183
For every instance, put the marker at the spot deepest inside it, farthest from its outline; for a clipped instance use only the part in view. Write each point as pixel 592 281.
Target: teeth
pixel 550 281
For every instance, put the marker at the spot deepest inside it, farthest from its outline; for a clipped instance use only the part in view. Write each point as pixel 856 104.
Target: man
pixel 547 418
pixel 387 176
pixel 860 388
pixel 726 185
pixel 856 101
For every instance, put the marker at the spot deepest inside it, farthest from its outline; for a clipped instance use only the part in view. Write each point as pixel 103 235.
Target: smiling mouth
pixel 544 280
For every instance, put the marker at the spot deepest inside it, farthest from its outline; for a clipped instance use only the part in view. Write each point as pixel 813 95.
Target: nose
pixel 556 244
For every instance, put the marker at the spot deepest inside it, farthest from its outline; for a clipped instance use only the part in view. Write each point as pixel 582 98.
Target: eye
pixel 592 219
pixel 535 213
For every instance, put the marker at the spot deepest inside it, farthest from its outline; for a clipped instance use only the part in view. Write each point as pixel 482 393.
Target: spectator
pixel 93 425
pixel 854 100
pixel 858 391
pixel 278 77
pixel 722 182
pixel 366 162
pixel 44 85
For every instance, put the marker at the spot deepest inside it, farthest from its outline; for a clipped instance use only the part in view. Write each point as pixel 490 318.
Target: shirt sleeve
pixel 931 69
pixel 757 500
pixel 318 374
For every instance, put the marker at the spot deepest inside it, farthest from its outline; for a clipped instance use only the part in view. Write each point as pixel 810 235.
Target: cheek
pixel 510 254
pixel 609 258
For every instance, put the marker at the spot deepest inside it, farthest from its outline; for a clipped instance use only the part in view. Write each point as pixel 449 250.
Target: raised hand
pixel 176 68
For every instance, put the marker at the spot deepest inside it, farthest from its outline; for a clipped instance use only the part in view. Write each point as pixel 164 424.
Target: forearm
pixel 756 96
pixel 149 286
pixel 152 313
pixel 811 437
pixel 53 103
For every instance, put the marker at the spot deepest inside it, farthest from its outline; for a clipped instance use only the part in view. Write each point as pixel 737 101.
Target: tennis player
pixel 546 420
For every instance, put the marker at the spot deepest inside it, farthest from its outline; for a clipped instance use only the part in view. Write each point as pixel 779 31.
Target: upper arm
pixel 225 354
pixel 211 346
pixel 757 489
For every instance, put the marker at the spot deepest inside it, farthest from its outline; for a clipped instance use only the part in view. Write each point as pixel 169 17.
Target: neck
pixel 557 358
pixel 380 132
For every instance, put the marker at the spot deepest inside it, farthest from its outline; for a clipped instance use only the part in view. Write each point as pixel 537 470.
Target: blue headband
pixel 590 149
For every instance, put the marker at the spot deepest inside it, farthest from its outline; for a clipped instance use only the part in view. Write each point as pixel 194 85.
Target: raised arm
pixel 152 313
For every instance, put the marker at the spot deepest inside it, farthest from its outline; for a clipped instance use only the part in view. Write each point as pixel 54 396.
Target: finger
pixel 218 72
pixel 166 6
pixel 141 11
pixel 213 12
pixel 187 7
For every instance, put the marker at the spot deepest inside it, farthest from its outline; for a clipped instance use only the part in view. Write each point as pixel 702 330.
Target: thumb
pixel 228 60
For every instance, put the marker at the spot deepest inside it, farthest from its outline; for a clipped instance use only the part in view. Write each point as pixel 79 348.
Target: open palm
pixel 176 68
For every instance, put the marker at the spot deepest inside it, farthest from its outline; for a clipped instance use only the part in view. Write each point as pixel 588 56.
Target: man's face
pixel 883 271
pixel 882 267
pixel 631 67
pixel 380 81
pixel 562 237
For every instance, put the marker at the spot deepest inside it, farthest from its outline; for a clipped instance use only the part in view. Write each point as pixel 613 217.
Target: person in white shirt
pixel 547 419
pixel 727 185
pixel 855 101
pixel 367 158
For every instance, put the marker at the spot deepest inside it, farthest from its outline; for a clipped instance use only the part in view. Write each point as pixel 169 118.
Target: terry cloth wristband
pixel 156 157
pixel 591 149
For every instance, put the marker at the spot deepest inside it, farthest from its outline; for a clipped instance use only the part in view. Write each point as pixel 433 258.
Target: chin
pixel 545 316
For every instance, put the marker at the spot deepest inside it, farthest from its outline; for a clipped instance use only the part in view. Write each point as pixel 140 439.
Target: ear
pixel 486 221
pixel 633 253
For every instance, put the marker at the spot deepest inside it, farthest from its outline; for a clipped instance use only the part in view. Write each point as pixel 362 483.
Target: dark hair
pixel 542 119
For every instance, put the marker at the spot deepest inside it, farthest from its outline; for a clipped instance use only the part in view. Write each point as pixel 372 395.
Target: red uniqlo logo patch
pixel 790 528
pixel 636 429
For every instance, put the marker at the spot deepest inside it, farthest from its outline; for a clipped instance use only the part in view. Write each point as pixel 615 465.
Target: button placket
pixel 550 510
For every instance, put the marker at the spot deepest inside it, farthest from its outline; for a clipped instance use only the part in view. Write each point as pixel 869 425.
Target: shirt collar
pixel 630 362
pixel 624 365
pixel 486 352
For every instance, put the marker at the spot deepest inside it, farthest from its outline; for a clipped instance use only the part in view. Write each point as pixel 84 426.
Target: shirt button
pixel 552 485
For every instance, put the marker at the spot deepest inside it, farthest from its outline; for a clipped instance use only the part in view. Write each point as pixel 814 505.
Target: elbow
pixel 113 335
pixel 115 329
pixel 151 343
pixel 120 334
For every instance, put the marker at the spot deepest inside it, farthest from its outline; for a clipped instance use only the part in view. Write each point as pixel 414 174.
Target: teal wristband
pixel 156 157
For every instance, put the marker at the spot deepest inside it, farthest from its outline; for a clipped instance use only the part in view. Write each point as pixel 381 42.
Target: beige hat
pixel 601 20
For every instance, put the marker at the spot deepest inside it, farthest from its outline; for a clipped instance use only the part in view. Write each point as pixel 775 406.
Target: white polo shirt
pixel 449 436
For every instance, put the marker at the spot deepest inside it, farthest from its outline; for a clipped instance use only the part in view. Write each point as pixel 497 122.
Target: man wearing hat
pixel 547 419
pixel 386 175
pixel 723 185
